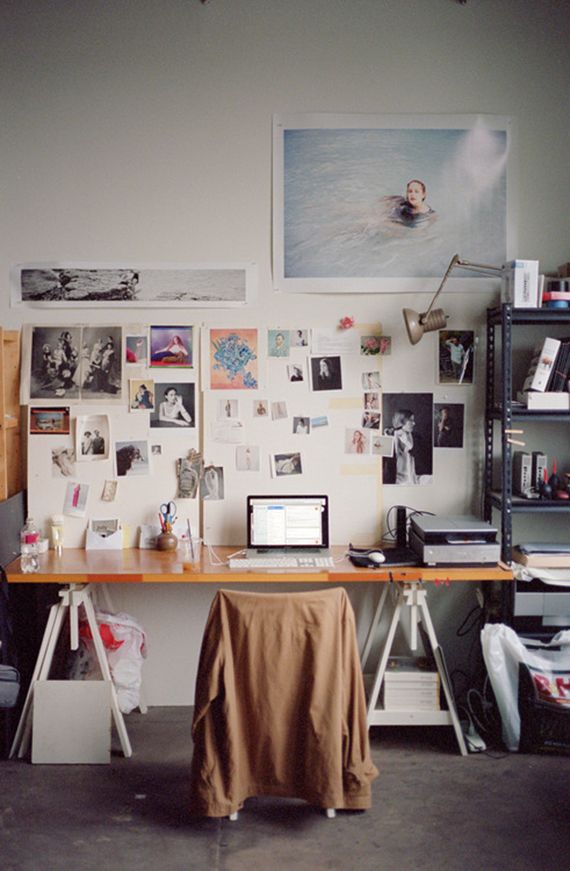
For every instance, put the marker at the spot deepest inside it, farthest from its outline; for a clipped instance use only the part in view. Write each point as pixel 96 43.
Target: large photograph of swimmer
pixel 382 203
pixel 68 285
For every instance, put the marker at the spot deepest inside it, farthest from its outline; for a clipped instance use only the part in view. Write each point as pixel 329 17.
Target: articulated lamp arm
pixel 418 324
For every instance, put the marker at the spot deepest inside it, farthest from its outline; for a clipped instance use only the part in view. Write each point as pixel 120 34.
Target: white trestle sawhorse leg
pixel 72 597
pixel 411 595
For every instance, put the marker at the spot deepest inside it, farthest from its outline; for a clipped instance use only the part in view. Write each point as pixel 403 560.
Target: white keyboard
pixel 281 562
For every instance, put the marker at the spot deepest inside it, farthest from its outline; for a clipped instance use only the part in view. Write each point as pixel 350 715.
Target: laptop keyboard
pixel 281 562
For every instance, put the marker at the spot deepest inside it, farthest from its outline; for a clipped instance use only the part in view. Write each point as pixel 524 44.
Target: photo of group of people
pixel 76 363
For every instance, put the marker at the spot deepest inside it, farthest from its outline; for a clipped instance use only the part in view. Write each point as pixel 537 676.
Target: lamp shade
pixel 418 324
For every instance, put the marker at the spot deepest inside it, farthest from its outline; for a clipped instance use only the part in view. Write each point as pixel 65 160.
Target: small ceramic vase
pixel 166 541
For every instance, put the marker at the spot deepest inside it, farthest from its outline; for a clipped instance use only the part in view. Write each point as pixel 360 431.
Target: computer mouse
pixel 376 556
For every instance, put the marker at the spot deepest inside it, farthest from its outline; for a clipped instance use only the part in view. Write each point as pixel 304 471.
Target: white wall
pixel 141 130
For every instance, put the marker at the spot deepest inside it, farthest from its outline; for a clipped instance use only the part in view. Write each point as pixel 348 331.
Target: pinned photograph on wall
pixel 301 425
pixel 356 441
pixel 285 465
pixel 370 346
pixel 212 483
pixel 92 437
pixel 136 350
pixel 278 343
pixel 75 503
pixel 101 362
pixel 233 359
pixel 326 373
pixel 171 347
pixel 188 473
pixel 248 458
pixel 321 420
pixel 124 285
pixel 279 410
pixel 173 405
pixel 62 462
pixel 298 338
pixel 227 408
pixel 408 418
pixel 448 425
pixel 132 458
pixel 156 450
pixel 109 491
pixel 260 407
pixel 49 421
pixel 55 353
pixel 371 401
pixel 295 372
pixel 456 356
pixel 141 394
pixel 371 380
pixel 383 445
pixel 371 419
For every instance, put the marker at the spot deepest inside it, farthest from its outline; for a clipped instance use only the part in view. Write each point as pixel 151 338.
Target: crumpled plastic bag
pixel 503 651
pixel 125 645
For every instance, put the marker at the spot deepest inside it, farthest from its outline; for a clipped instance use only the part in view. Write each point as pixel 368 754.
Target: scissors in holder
pixel 167 515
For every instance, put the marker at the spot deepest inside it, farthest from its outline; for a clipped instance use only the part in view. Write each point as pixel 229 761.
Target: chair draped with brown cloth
pixel 280 707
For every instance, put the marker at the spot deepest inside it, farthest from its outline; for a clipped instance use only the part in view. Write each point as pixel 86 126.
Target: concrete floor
pixel 432 809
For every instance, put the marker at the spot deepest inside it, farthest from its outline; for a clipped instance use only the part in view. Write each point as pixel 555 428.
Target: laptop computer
pixel 287 526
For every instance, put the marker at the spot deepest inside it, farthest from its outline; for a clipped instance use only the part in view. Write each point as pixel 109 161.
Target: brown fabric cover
pixel 280 706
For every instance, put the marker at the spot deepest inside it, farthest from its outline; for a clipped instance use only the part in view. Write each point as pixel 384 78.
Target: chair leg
pixel 331 813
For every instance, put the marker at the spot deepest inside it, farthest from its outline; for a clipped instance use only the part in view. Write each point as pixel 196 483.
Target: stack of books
pixel 545 555
pixel 409 686
pixel 546 384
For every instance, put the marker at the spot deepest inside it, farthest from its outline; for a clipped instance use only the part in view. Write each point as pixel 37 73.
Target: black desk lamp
pixel 436 319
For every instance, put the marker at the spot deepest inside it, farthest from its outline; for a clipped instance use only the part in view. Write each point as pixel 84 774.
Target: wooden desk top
pixel 78 566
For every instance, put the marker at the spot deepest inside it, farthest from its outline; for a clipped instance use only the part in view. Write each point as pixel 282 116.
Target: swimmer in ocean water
pixel 411 210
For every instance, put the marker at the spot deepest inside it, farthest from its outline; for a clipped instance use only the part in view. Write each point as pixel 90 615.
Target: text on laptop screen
pixel 287 521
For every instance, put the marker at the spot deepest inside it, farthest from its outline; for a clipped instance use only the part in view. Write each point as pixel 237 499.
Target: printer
pixel 462 540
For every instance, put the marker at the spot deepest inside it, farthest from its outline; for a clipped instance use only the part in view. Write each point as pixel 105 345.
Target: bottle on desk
pixel 29 539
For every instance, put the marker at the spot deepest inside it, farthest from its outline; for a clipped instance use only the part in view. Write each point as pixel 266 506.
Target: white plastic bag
pixel 125 645
pixel 503 651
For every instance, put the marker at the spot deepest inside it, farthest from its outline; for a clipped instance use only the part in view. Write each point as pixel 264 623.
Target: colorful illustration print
pixel 233 359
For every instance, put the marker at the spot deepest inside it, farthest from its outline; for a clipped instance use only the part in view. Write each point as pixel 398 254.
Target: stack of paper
pixel 409 687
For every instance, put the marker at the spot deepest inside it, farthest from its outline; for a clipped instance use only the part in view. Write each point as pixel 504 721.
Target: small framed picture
pixel 49 421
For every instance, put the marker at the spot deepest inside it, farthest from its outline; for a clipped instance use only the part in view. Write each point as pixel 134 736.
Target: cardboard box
pixel 520 283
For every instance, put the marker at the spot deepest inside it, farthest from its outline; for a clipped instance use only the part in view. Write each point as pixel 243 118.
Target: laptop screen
pixel 287 522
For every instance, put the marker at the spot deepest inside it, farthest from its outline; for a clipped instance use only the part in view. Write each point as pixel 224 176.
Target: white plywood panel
pixel 72 722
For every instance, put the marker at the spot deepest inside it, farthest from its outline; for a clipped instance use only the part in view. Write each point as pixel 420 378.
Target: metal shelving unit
pixel 500 410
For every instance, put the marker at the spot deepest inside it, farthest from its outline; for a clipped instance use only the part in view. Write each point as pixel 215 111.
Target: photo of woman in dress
pixel 171 346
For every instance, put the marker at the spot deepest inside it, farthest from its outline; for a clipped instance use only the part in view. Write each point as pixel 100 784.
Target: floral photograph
pixel 233 359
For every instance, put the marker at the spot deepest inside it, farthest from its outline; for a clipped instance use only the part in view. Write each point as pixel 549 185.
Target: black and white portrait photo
pixel 55 358
pixel 326 373
pixel 101 362
pixel 448 425
pixel 174 405
pixel 92 437
pixel 408 419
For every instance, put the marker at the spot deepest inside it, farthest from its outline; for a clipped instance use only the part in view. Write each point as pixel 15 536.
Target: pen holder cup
pixel 192 556
pixel 166 541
